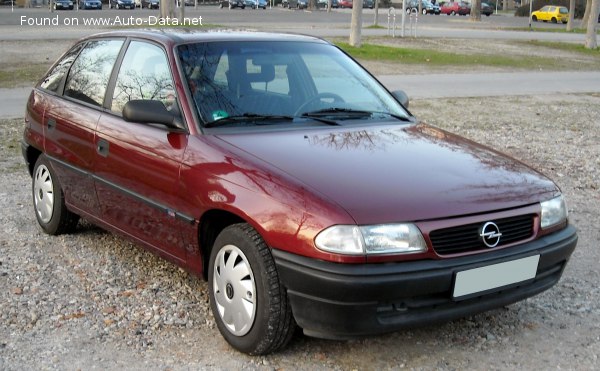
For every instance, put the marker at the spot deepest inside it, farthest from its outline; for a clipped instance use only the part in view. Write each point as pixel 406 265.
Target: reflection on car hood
pixel 399 173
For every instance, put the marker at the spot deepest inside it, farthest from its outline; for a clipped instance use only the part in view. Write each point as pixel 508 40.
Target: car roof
pixel 184 36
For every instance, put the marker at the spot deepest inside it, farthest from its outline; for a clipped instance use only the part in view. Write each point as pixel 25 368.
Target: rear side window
pixel 91 71
pixel 563 10
pixel 53 79
pixel 144 74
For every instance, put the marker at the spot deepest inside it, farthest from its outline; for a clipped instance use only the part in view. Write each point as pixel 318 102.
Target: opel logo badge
pixel 490 234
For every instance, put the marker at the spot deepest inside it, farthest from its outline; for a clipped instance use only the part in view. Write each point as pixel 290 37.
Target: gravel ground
pixel 92 300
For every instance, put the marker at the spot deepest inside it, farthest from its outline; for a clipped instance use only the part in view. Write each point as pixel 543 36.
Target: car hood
pixel 392 173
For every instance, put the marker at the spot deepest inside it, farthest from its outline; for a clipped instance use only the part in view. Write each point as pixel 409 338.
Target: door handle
pixel 51 124
pixel 102 147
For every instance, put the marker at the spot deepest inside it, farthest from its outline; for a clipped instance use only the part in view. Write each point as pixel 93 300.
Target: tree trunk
pixel 329 5
pixel 164 8
pixel 356 23
pixel 586 14
pixel 505 5
pixel 182 11
pixel 571 15
pixel 312 5
pixel 476 10
pixel 376 19
pixel 591 39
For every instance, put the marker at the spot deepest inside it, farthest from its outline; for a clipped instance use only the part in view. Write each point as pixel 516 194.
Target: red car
pixel 281 171
pixel 453 8
pixel 345 4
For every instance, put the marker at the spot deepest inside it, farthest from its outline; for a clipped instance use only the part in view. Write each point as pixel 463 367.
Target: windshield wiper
pixel 256 118
pixel 351 113
pixel 337 111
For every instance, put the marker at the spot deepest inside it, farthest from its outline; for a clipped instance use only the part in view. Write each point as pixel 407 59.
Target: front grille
pixel 465 238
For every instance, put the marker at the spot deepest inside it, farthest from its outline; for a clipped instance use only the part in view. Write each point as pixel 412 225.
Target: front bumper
pixel 339 301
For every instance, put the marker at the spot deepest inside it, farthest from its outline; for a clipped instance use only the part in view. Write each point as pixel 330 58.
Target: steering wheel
pixel 336 99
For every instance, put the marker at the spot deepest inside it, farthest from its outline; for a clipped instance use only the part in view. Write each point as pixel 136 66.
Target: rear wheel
pixel 424 11
pixel 49 201
pixel 553 20
pixel 453 13
pixel 249 303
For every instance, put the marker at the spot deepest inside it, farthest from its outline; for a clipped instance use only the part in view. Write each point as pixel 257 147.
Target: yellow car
pixel 551 13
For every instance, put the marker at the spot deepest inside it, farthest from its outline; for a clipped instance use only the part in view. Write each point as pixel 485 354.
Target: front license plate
pixel 493 276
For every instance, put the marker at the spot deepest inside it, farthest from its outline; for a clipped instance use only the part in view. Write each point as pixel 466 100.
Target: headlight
pixel 374 239
pixel 554 212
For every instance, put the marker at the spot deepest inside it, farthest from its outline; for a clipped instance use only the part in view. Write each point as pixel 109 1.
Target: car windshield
pixel 251 81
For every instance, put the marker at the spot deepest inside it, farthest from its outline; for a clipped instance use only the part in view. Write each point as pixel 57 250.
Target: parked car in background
pixel 151 4
pixel 297 4
pixel 487 9
pixel 368 4
pixel 280 170
pixel 121 4
pixel 551 13
pixel 90 4
pixel 232 4
pixel 63 5
pixel 455 7
pixel 427 7
pixel 347 4
pixel 254 4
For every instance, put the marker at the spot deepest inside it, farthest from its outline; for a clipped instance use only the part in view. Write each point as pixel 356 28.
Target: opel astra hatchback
pixel 281 171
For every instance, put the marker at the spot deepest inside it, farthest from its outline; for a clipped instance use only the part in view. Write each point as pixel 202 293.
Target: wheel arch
pixel 31 156
pixel 210 225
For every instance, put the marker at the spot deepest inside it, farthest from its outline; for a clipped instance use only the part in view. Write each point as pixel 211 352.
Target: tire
pixel 534 18
pixel 424 11
pixel 49 201
pixel 554 20
pixel 259 320
pixel 453 13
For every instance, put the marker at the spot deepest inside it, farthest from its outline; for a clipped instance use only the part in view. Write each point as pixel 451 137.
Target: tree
pixel 164 8
pixel 329 5
pixel 591 41
pixel 571 15
pixel 476 10
pixel 356 23
pixel 312 4
pixel 376 19
pixel 586 14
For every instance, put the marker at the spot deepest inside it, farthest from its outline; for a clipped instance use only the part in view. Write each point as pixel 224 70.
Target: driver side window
pixel 144 74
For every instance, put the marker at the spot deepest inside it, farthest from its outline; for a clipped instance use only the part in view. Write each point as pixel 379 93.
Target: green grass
pixel 569 47
pixel 23 75
pixel 375 27
pixel 544 29
pixel 437 58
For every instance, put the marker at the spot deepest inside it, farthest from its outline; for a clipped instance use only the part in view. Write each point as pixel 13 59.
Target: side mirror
pixel 151 112
pixel 401 97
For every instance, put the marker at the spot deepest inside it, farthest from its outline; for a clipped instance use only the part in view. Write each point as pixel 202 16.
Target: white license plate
pixel 493 276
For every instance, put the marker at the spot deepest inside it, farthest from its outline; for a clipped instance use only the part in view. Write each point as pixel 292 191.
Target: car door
pixel 70 120
pixel 137 171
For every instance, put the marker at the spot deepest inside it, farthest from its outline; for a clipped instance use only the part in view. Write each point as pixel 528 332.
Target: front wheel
pixel 554 20
pixel 49 201
pixel 249 303
pixel 534 18
pixel 424 11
